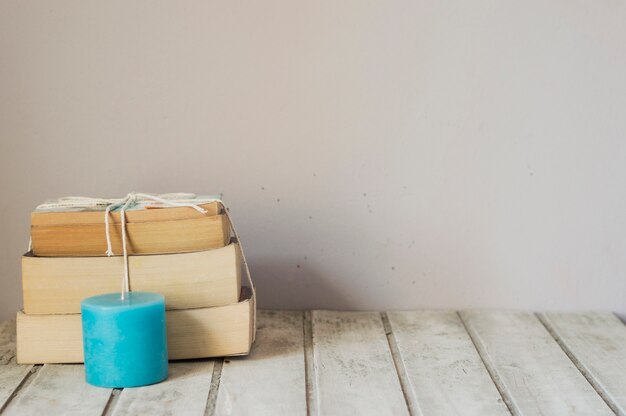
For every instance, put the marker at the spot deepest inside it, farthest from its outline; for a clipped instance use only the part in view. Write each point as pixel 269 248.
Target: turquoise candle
pixel 124 341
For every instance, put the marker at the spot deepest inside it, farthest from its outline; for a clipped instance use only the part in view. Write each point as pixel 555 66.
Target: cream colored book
pixel 54 285
pixel 191 333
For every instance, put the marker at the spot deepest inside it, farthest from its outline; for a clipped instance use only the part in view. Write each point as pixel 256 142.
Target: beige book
pixel 152 237
pixel 53 285
pixel 191 333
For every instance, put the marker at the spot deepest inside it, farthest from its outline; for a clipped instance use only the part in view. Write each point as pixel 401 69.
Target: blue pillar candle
pixel 124 340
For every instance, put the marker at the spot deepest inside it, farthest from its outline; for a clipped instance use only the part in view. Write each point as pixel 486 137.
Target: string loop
pixel 131 199
pixel 141 199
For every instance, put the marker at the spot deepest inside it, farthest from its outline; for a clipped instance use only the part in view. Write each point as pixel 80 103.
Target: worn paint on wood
pixel 353 369
pixel 532 372
pixel 445 373
pixel 60 389
pixel 184 392
pixel 596 343
pixel 11 373
pixel 272 379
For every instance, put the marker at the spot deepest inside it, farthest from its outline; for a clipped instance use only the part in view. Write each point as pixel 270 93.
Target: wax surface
pixel 124 341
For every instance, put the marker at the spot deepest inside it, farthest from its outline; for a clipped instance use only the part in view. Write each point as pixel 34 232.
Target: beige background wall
pixel 377 155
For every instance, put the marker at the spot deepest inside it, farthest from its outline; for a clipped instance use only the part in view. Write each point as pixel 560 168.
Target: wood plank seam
pixel 309 375
pixel 354 369
pixel 215 385
pixel 59 389
pixel 28 378
pixel 272 379
pixel 495 378
pixel 613 406
pixel 411 401
pixel 113 398
pixel 185 391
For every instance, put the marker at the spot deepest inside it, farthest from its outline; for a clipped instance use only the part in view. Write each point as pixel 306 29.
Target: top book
pixel 152 228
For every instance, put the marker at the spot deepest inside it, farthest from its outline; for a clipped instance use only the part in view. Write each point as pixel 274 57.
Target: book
pixel 151 237
pixel 56 285
pixel 191 333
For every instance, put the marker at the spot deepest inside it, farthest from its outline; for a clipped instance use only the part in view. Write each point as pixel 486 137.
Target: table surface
pixel 364 363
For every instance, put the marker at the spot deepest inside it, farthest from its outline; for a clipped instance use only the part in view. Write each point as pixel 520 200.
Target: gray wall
pixel 376 155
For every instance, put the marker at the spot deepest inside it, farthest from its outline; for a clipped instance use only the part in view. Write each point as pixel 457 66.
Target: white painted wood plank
pixel 11 373
pixel 353 366
pixel 60 389
pixel 271 380
pixel 445 373
pixel 185 392
pixel 533 373
pixel 596 342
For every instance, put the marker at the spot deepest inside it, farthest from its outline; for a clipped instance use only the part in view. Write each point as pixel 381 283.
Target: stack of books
pixel 188 256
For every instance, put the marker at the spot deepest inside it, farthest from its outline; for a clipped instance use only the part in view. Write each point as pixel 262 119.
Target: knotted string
pixel 130 199
pixel 140 199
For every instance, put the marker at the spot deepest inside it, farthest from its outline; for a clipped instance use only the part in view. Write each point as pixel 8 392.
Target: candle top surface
pixel 131 300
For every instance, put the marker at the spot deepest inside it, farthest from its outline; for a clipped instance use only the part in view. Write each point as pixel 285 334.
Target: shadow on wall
pixel 279 288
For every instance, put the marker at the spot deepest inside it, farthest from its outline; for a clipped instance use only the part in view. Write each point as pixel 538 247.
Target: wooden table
pixel 365 363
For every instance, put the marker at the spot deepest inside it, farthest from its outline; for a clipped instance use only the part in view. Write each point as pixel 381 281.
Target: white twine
pixel 140 199
pixel 133 198
pixel 130 199
pixel 143 199
pixel 95 203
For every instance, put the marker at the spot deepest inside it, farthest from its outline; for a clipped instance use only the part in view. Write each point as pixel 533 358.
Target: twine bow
pixel 132 199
